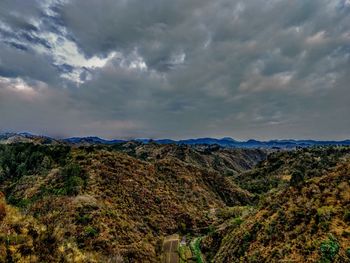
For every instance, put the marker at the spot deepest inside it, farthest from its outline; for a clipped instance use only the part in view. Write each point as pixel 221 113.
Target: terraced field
pixel 170 249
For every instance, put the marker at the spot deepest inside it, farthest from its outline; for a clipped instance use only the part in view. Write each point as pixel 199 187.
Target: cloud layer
pixel 185 68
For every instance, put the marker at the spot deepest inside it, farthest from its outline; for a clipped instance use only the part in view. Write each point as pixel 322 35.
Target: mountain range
pixel 225 142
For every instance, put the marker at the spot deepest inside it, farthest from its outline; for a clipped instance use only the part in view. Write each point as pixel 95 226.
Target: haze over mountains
pixel 224 142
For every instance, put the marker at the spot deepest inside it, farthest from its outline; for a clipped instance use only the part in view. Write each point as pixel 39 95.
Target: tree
pixel 297 178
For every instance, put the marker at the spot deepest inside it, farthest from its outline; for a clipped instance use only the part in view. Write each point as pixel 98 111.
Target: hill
pixel 280 167
pixel 97 203
pixel 304 220
pixel 227 161
pixel 132 202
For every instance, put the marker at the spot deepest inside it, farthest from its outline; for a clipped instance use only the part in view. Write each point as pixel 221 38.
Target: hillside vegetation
pixel 304 217
pixel 119 203
pixel 291 167
pixel 99 204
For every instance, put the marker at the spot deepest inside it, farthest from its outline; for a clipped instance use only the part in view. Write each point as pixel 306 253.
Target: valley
pixel 183 131
pixel 136 202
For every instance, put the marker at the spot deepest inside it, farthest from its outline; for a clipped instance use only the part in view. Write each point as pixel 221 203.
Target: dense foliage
pixel 291 167
pixel 303 218
pixel 116 203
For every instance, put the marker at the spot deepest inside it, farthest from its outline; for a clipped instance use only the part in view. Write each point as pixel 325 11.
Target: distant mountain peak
pixel 227 142
pixel 228 139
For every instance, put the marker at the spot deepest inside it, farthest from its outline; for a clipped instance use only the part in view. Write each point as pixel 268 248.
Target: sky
pixel 271 69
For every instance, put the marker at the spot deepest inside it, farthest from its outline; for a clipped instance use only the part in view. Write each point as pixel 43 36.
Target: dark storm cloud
pixel 184 68
pixel 15 62
pixel 19 13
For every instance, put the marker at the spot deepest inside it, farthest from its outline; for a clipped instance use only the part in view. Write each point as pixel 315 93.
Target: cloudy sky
pixel 176 68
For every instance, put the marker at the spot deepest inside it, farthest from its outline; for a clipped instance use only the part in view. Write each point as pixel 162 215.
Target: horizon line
pixel 169 138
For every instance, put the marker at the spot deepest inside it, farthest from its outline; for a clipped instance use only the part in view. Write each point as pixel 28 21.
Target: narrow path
pixel 170 249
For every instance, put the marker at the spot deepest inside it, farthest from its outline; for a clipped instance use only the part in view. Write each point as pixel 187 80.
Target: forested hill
pixel 125 202
pixel 99 203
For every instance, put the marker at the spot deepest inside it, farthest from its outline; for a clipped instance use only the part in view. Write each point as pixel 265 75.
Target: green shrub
pixel 236 221
pixel 195 247
pixel 324 226
pixel 74 184
pixel 84 219
pixel 348 252
pixel 297 178
pixel 90 231
pixel 19 202
pixel 232 212
pixel 74 179
pixel 347 216
pixel 184 253
pixel 324 213
pixel 22 159
pixel 71 170
pixel 323 217
pixel 210 230
pixel 329 249
pixel 271 229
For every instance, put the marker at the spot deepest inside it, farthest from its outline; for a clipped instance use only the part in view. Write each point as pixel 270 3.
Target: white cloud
pixel 317 39
pixel 257 82
pixel 17 85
